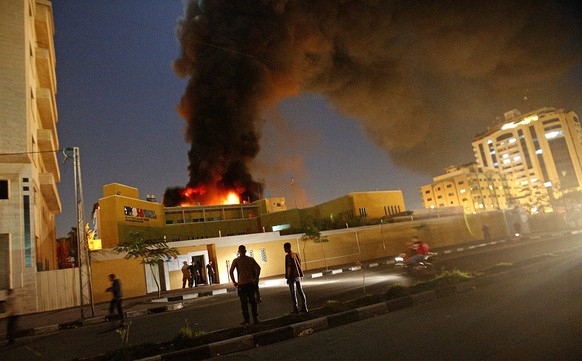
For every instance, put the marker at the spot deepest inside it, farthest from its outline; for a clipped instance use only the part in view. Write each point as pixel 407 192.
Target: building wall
pixel 28 123
pixel 123 217
pixel 130 271
pixel 345 246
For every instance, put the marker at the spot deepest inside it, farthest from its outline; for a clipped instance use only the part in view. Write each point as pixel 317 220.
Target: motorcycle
pixel 424 268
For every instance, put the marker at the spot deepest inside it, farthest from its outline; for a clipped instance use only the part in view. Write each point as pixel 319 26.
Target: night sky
pixel 369 95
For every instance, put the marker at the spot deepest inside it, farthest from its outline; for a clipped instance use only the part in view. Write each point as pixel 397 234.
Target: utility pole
pixel 83 256
pixel 293 188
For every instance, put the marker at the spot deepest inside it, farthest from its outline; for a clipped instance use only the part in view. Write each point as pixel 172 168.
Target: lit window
pixel 523 183
pixel 539 151
pixel 506 161
pixel 533 180
pixel 547 184
pixel 517 158
pixel 489 141
pixel 554 134
pixel 462 191
pixel 506 155
pixel 512 140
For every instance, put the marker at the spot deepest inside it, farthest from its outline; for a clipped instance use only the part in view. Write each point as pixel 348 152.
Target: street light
pixel 83 256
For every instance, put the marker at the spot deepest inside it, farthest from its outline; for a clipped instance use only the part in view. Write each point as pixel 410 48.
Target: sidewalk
pixel 42 323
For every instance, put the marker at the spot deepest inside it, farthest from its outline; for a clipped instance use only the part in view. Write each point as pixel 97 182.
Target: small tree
pixel 313 234
pixel 63 256
pixel 150 251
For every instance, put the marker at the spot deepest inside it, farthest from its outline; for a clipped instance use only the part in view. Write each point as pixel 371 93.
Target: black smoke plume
pixel 423 77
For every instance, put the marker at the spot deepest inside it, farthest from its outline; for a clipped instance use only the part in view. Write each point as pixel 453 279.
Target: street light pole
pixel 83 256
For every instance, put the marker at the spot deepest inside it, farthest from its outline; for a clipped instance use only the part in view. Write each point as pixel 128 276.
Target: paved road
pixel 536 315
pixel 222 311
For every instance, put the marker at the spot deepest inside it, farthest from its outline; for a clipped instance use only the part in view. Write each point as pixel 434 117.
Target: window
pixel 3 189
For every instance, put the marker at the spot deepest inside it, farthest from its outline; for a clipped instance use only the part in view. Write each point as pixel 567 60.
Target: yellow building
pixel 29 170
pixel 203 233
pixel 121 215
pixel 541 150
pixel 474 188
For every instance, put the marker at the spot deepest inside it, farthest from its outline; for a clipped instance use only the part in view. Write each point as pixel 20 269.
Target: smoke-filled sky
pixel 342 96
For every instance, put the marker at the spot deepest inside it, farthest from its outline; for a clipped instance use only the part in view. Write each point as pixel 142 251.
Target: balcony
pixel 47 109
pixel 48 188
pixel 47 147
pixel 45 69
pixel 43 25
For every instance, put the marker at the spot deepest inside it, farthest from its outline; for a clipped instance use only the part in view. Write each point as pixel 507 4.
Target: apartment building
pixel 541 150
pixel 29 170
pixel 474 188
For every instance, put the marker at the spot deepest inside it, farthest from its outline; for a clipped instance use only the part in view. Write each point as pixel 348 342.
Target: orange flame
pixel 232 198
pixel 202 195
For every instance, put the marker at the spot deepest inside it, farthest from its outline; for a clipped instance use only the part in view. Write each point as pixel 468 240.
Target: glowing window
pixel 554 134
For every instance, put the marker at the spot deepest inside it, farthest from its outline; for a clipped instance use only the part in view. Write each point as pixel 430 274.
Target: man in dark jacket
pixel 293 274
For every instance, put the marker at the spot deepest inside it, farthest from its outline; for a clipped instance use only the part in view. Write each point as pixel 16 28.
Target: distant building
pixel 541 150
pixel 29 170
pixel 474 188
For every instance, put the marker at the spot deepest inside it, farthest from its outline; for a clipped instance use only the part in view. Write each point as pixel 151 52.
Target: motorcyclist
pixel 416 251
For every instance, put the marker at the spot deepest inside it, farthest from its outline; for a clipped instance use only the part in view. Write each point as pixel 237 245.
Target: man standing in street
pixel 293 274
pixel 115 302
pixel 248 271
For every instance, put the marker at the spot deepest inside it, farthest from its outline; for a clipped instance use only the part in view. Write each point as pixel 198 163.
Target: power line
pixel 36 152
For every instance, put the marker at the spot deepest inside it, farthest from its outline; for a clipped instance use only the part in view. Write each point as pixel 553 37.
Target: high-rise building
pixel 29 170
pixel 474 188
pixel 541 150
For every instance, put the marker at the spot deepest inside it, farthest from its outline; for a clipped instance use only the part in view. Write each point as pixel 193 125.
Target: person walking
pixel 115 302
pixel 211 272
pixel 293 275
pixel 248 271
pixel 10 312
pixel 486 233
